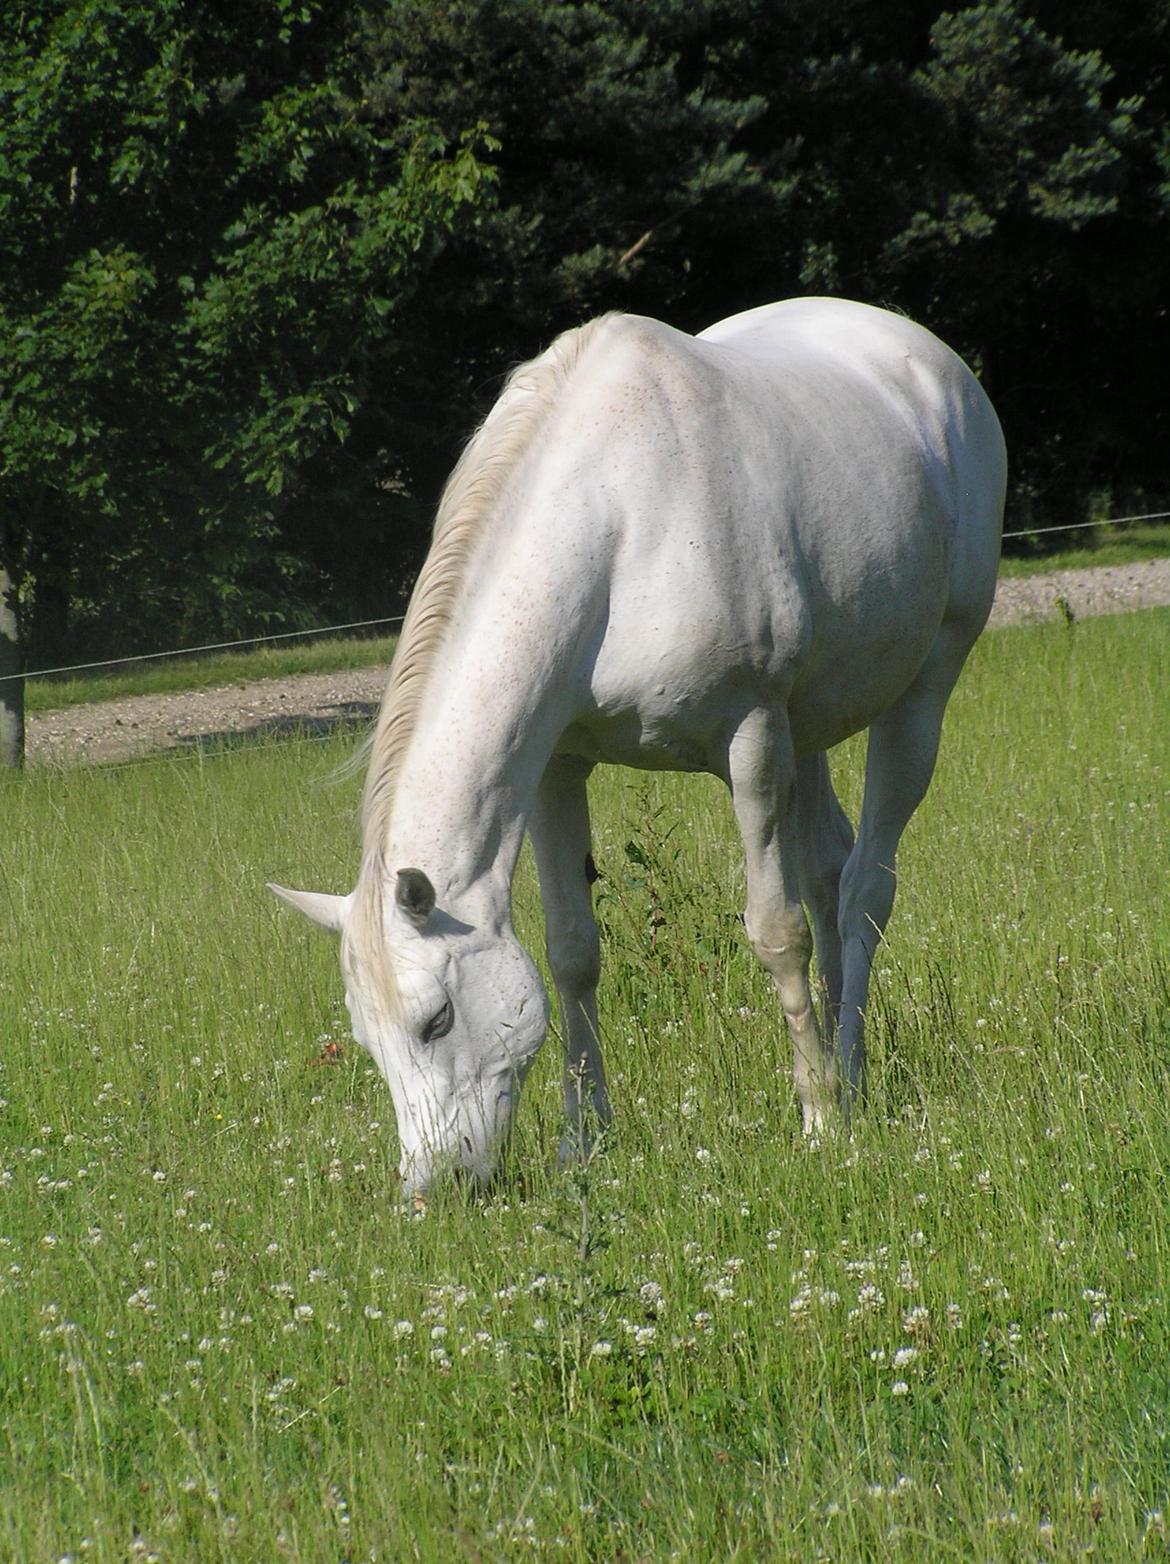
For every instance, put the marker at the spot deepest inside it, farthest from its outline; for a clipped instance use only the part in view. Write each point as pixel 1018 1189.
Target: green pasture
pixel 941 1337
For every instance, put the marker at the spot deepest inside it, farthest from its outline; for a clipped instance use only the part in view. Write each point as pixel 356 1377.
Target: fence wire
pixel 1080 526
pixel 196 651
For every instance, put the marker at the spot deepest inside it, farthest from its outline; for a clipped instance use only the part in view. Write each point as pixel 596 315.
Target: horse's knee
pixel 574 957
pixel 782 942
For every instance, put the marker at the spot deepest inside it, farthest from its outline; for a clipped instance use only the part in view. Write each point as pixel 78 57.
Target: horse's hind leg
pixel 762 772
pixel 826 838
pixel 903 745
pixel 558 828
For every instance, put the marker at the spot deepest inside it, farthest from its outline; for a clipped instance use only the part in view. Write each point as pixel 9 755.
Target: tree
pixel 11 682
pixel 203 237
pixel 616 166
pixel 994 174
pixel 1040 245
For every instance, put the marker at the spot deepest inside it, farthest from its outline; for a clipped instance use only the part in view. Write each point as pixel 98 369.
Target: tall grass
pixel 942 1337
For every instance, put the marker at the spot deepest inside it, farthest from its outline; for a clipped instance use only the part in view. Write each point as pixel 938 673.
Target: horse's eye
pixel 439 1025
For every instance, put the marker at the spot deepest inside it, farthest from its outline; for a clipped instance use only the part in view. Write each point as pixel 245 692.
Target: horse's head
pixel 452 1015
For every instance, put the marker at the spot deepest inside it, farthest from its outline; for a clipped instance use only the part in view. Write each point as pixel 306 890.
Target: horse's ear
pixel 327 912
pixel 415 895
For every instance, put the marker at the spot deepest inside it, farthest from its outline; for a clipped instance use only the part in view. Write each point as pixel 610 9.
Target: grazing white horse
pixel 720 553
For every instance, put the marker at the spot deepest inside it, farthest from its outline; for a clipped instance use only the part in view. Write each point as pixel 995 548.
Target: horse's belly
pixel 647 742
pixel 845 682
pixel 670 709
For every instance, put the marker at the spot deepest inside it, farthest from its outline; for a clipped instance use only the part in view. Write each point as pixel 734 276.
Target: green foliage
pixel 205 237
pixel 1037 244
pixel 1035 115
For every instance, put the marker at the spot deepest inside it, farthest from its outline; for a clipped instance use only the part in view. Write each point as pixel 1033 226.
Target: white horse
pixel 721 553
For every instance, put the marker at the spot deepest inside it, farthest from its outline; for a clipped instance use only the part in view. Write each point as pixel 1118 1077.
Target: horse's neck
pixel 503 686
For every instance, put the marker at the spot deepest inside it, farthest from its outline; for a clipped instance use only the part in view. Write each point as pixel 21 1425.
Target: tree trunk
pixel 11 680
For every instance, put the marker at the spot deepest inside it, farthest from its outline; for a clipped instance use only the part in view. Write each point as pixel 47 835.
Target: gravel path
pixel 140 724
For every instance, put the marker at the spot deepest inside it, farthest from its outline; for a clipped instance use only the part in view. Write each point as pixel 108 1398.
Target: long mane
pixel 489 461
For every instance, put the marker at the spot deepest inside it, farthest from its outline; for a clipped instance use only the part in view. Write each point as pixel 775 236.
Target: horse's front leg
pixel 559 831
pixel 826 839
pixel 761 771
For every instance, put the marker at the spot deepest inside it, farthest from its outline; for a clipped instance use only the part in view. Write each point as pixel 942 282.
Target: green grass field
pixel 944 1337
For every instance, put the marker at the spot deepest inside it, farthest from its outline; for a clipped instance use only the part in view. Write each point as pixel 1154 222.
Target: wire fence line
pixel 366 624
pixel 1079 526
pixel 196 651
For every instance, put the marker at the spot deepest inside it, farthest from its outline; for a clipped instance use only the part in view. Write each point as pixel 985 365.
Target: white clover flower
pixel 905 1356
pixel 702 1155
pixel 601 1349
pixel 404 1328
pixel 303 1311
pixel 916 1322
pixel 651 1296
pixel 899 1388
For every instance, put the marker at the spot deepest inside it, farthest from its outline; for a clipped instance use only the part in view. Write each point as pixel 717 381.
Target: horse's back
pixel 954 433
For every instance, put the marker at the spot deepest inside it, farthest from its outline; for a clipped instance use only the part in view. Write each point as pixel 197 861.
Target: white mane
pixel 478 480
